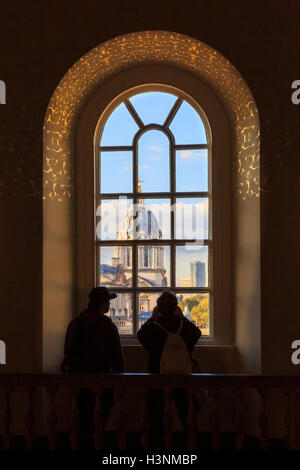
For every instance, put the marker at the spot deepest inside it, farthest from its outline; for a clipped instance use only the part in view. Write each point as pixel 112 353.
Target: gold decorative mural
pixel 136 48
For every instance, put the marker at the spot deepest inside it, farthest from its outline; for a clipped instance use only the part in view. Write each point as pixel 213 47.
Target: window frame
pixel 135 290
pixel 215 119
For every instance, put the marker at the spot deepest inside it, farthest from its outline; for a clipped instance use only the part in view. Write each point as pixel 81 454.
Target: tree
pixel 200 312
pixel 190 302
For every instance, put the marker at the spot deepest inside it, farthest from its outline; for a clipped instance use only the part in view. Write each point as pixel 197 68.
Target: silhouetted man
pixel 92 345
pixel 153 338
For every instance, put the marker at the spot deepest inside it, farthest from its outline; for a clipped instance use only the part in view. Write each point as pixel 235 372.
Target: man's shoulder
pixel 102 324
pixel 74 323
pixel 107 321
pixel 107 325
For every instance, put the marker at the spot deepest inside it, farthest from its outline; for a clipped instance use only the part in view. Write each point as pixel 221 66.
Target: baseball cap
pixel 101 293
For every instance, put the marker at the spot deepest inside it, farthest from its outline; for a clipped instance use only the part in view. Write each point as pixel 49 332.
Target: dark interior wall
pixel 40 41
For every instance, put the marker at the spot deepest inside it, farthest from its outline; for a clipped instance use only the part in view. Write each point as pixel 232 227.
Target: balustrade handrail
pixel 141 383
pixel 146 380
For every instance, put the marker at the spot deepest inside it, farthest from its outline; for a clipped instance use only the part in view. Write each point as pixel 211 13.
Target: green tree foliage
pixel 190 302
pixel 199 308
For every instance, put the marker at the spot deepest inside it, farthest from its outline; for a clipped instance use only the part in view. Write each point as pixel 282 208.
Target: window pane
pixel 112 216
pixel 153 221
pixel 121 313
pixel 153 266
pixel 191 218
pixel 115 266
pixel 191 170
pixel 187 126
pixel 192 266
pixel 196 308
pixel 119 129
pixel 116 172
pixel 146 303
pixel 153 107
pixel 153 162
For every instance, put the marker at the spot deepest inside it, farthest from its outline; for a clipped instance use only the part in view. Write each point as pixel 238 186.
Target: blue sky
pixel 153 147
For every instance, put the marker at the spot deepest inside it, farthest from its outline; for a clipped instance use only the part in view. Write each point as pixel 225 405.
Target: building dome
pixel 145 224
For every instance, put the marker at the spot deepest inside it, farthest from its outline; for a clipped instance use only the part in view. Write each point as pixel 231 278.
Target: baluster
pixel 214 418
pixel 52 418
pixel 290 420
pixel 144 420
pixel 74 435
pixel 121 433
pixel 98 421
pixel 191 422
pixel 263 420
pixel 167 420
pixel 30 420
pixel 239 419
pixel 7 436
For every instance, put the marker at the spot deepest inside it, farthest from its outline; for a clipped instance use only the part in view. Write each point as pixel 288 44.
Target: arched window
pixel 86 97
pixel 153 195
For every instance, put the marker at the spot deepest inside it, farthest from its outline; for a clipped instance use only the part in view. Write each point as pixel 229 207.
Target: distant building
pixel 185 282
pixel 151 270
pixel 198 274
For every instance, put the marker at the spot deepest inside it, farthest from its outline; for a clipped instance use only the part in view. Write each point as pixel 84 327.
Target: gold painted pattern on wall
pixel 136 48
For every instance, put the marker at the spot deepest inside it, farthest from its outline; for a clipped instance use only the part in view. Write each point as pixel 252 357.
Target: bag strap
pixel 180 327
pixel 166 331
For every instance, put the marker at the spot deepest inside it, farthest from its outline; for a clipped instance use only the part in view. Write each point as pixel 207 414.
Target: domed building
pixel 139 223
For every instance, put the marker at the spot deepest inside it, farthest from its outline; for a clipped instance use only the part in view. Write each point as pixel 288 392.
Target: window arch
pixel 153 197
pixel 84 92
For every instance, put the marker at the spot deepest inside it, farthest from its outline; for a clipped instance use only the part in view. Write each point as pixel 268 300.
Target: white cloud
pixel 128 167
pixel 192 154
pixel 155 148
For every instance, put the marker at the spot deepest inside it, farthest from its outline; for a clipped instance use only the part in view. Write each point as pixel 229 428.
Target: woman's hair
pixel 167 303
